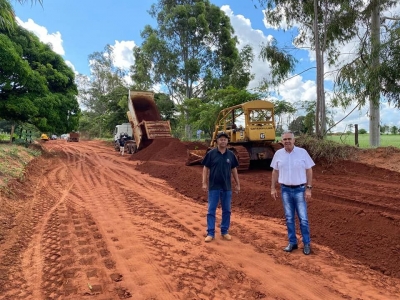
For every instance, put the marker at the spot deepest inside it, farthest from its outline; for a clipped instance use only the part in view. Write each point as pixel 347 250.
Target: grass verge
pixel 13 160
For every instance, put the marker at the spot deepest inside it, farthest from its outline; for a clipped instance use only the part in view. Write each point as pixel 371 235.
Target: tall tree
pixel 322 25
pixel 103 94
pixel 36 86
pixel 191 50
pixel 373 73
pixel 282 107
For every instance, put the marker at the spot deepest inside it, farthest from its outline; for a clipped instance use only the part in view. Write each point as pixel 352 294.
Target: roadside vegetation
pixel 13 160
pixel 387 140
pixel 326 151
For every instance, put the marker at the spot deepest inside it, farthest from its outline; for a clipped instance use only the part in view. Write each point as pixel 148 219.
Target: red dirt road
pixel 87 223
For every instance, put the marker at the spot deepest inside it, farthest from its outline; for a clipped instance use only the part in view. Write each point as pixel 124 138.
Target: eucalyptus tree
pixel 7 14
pixel 369 75
pixel 191 50
pixel 322 25
pixel 373 74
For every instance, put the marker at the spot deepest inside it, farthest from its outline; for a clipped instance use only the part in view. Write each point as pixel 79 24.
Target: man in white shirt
pixel 292 169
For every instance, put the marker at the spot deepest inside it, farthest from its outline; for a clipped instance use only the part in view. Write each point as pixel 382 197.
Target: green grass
pixel 363 140
pixel 4 136
pixel 13 160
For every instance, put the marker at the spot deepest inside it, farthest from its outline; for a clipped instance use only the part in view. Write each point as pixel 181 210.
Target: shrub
pixel 325 151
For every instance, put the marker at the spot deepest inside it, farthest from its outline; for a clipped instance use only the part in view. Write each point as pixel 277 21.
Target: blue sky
pixel 77 28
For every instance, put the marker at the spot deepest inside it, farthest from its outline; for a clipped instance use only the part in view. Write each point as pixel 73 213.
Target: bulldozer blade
pixel 195 157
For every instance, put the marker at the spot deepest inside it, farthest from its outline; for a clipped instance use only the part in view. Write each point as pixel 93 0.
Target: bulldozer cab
pixel 252 121
pixel 250 127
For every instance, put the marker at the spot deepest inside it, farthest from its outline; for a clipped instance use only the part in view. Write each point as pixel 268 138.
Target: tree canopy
pixel 36 85
pixel 191 50
pixel 7 15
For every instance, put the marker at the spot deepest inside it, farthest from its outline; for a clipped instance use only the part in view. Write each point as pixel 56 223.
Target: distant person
pixel 292 169
pixel 199 132
pixel 219 163
pixel 122 145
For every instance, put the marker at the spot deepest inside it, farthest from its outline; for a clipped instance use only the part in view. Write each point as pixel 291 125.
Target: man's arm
pixel 309 183
pixel 274 180
pixel 236 178
pixel 206 174
pixel 309 176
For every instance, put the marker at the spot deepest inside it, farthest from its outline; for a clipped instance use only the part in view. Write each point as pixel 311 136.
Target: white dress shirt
pixel 292 166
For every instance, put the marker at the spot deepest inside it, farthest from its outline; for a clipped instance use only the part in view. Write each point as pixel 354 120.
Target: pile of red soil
pixel 355 208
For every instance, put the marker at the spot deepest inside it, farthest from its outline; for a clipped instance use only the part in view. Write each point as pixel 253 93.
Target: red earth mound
pixel 355 209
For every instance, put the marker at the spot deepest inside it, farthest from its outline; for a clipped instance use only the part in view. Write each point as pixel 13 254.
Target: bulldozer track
pixel 243 157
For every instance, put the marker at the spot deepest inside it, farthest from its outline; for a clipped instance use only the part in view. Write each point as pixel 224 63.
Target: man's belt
pixel 293 186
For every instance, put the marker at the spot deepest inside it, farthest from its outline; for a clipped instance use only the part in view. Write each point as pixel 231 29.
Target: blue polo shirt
pixel 220 166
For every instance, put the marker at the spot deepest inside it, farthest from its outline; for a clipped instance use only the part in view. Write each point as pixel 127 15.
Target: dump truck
pixel 251 130
pixel 145 120
pixel 73 137
pixel 124 130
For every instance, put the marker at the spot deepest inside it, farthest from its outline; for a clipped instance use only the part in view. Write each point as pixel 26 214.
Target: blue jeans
pixel 213 199
pixel 294 201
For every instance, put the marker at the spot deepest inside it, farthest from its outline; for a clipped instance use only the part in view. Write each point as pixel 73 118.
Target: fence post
pixel 356 135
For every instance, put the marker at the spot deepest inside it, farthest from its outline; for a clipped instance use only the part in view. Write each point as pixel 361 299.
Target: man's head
pixel 288 140
pixel 222 139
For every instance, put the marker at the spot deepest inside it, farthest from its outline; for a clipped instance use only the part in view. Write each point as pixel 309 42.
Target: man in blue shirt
pixel 292 169
pixel 219 163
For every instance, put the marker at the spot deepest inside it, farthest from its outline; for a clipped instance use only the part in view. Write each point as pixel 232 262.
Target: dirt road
pixel 87 223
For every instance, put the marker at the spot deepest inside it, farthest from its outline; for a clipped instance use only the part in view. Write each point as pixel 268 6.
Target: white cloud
pixel 295 90
pixel 69 64
pixel 123 54
pixel 248 36
pixel 54 39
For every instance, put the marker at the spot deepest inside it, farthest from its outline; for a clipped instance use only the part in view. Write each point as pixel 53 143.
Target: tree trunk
pixel 320 107
pixel 374 110
pixel 12 132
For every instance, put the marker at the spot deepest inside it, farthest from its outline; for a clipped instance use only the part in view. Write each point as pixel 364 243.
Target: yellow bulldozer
pixel 251 130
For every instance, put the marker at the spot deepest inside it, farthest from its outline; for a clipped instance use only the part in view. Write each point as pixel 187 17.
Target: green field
pixel 363 140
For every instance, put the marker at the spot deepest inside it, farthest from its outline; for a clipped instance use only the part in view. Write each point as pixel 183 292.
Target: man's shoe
pixel 290 247
pixel 227 237
pixel 307 249
pixel 208 238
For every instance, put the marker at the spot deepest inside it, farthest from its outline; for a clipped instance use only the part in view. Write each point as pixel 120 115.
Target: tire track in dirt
pixel 48 241
pixel 93 260
pixel 158 233
pixel 14 285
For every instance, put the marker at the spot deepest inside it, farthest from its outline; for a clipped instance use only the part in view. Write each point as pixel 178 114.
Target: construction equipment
pixel 145 120
pixel 44 137
pixel 73 137
pixel 251 130
pixel 124 131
